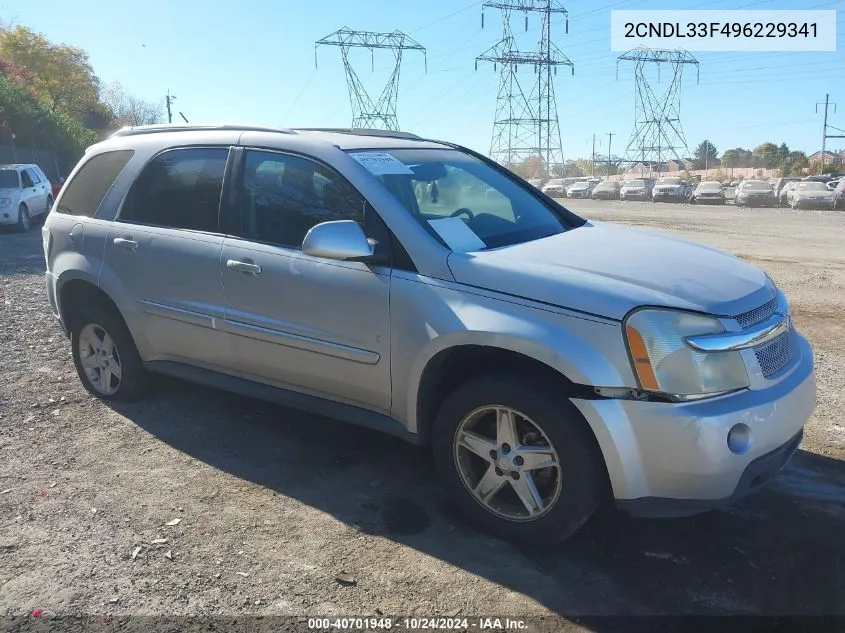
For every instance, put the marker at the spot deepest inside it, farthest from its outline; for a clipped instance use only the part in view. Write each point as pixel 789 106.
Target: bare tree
pixel 130 110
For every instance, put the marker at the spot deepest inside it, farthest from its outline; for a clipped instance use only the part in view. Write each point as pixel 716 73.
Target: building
pixel 829 158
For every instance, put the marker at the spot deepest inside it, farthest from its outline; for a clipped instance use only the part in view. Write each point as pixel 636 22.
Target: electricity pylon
pixel 365 113
pixel 526 123
pixel 658 135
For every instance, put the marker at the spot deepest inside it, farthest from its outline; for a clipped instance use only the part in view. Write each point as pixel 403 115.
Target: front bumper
pixel 668 195
pixel 673 459
pixel 757 202
pixel 805 203
pixel 708 200
pixel 633 195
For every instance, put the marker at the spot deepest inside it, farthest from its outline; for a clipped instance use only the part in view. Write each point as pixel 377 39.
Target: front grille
pixel 776 354
pixel 758 314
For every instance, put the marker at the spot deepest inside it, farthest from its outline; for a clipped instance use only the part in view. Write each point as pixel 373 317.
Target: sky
pixel 254 62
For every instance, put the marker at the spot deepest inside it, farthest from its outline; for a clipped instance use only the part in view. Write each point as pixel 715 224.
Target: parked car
pixel 784 197
pixel 812 195
pixel 581 189
pixel 670 188
pixel 553 364
pixel 833 184
pixel 25 195
pixel 556 188
pixel 735 183
pixel 755 193
pixel 839 195
pixel 708 192
pixel 822 178
pixel 636 189
pixel 606 190
pixel 535 182
pixel 56 187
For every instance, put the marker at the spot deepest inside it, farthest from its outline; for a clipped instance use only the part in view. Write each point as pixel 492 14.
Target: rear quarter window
pixel 84 193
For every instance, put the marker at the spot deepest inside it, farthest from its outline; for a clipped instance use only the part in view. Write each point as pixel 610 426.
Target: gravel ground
pixel 200 502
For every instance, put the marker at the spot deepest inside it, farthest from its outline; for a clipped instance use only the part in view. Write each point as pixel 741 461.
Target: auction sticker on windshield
pixel 381 163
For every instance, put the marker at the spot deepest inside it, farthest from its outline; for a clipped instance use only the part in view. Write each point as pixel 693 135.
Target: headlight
pixel 665 364
pixel 5 202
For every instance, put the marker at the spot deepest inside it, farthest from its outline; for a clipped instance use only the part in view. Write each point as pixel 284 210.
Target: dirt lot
pixel 274 505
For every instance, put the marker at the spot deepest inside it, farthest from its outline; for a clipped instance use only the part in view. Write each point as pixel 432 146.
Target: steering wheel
pixel 463 211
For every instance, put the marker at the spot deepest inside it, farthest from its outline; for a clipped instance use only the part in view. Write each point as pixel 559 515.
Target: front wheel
pixel 24 222
pixel 517 459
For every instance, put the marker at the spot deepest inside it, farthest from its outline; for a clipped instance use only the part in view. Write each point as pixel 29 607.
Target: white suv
pixel 25 194
pixel 416 287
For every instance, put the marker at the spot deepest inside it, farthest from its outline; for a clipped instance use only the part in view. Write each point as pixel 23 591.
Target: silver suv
pixel 416 287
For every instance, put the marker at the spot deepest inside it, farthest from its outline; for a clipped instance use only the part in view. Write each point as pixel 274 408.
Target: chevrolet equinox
pixel 416 287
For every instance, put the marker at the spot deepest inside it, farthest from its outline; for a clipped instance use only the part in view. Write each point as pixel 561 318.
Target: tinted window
pixel 33 175
pixel 284 196
pixel 9 179
pixel 179 189
pixel 26 179
pixel 83 194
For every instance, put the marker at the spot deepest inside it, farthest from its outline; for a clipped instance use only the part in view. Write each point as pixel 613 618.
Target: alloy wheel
pixel 507 462
pixel 100 359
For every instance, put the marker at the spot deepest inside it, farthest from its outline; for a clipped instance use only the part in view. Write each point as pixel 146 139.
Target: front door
pixel 164 251
pixel 310 324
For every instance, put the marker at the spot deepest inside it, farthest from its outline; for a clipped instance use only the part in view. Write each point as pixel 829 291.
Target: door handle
pixel 247 266
pixel 126 243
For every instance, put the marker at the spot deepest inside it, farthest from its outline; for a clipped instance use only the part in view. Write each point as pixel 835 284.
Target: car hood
pixel 608 270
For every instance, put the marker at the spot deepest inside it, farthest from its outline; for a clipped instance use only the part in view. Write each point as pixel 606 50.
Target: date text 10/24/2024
pixel 417 624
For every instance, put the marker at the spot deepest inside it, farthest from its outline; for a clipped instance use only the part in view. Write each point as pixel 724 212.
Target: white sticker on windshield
pixel 457 235
pixel 381 163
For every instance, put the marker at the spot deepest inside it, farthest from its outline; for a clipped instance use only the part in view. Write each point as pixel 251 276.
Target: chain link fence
pixel 44 158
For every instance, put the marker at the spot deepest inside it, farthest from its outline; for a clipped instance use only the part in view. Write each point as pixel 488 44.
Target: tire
pixel 133 380
pixel 24 222
pixel 47 210
pixel 574 489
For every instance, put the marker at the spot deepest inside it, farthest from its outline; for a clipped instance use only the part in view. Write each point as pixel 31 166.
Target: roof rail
pixel 362 132
pixel 132 130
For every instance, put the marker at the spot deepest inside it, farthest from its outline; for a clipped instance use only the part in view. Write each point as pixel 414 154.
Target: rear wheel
pixel 105 356
pixel 24 223
pixel 517 459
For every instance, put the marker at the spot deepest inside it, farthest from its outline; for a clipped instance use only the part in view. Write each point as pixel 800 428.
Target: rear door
pixel 163 250
pixel 30 193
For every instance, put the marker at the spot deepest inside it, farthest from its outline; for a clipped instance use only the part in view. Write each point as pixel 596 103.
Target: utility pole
pixel 367 113
pixel 825 135
pixel 593 158
pixel 526 122
pixel 609 141
pixel 170 99
pixel 658 136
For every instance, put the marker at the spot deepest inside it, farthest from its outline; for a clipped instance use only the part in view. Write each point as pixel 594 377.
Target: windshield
pixel 757 185
pixel 556 182
pixel 710 186
pixel 606 185
pixel 8 179
pixel 441 187
pixel 581 185
pixel 812 186
pixel 635 183
pixel 669 181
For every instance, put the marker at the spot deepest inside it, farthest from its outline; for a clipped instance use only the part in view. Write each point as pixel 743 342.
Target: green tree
pixel 737 157
pixel 705 156
pixel 767 156
pixel 62 77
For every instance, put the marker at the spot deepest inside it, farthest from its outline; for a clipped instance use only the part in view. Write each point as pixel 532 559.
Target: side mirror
pixel 339 239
